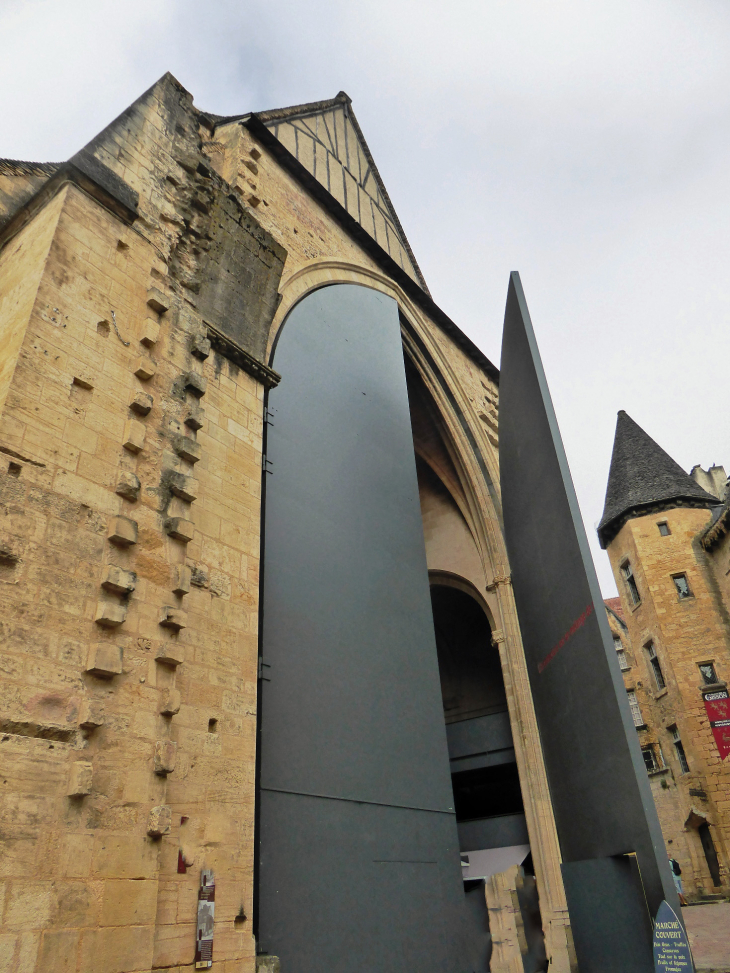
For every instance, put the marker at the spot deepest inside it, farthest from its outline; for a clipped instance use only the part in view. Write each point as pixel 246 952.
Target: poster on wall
pixel 206 914
pixel 717 706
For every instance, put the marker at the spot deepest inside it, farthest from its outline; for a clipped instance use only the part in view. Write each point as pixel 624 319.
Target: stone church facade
pixel 666 534
pixel 143 284
pixel 143 287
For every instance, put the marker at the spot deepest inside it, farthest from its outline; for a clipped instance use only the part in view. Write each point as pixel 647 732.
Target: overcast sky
pixel 585 144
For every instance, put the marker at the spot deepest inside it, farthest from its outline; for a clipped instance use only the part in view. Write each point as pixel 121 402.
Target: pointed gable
pixel 642 477
pixel 324 136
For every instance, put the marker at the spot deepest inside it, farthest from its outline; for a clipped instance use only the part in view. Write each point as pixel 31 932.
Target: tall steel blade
pixel 599 787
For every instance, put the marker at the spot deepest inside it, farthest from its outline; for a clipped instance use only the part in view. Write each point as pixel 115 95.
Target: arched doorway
pixel 488 799
pixel 487 792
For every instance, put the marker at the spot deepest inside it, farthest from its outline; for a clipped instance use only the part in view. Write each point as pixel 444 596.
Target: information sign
pixel 671 947
pixel 206 914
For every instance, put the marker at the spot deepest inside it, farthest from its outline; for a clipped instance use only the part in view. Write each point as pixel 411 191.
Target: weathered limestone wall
pixel 21 265
pixel 685 632
pixel 129 520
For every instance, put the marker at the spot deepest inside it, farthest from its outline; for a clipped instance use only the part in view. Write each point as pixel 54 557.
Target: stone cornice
pixel 245 361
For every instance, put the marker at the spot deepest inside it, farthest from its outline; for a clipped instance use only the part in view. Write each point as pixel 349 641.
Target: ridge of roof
pixel 417 294
pixel 317 107
pixel 643 477
pixel 15 167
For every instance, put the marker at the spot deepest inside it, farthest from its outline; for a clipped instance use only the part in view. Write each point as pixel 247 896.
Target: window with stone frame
pixel 635 708
pixel 679 749
pixel 652 758
pixel 664 528
pixel 620 652
pixel 707 671
pixel 682 585
pixel 630 581
pixel 655 666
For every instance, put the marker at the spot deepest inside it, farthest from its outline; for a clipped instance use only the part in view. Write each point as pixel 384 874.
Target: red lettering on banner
pixel 578 623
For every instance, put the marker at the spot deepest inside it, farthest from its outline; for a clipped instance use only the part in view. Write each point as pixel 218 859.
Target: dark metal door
pixel 708 846
pixel 359 866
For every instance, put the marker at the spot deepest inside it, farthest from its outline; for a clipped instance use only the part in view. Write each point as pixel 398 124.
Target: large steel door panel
pixel 358 852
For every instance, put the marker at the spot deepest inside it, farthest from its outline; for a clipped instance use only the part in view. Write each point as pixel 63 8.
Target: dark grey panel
pixel 599 787
pixel 351 887
pixel 352 729
pixel 493 759
pixel 481 735
pixel 347 614
pixel 605 898
pixel 500 832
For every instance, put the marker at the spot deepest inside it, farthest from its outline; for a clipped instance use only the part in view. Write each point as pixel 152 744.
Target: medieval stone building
pixel 666 533
pixel 143 287
pixel 240 446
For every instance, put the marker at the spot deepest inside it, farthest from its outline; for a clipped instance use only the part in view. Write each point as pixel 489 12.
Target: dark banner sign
pixel 718 713
pixel 671 947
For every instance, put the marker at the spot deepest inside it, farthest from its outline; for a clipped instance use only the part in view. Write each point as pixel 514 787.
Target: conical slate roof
pixel 643 476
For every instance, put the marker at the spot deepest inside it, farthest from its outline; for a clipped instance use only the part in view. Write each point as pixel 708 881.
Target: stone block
pixel 174 618
pixel 149 332
pixel 254 152
pixel 8 943
pixel 30 905
pixel 187 449
pixel 79 779
pixel 109 614
pixel 182 575
pixel 117 948
pixel 118 580
pixel 57 953
pixel 128 903
pixel 195 383
pixel 159 821
pixel 157 300
pixel 144 368
pixel 185 487
pixel 165 755
pixel 91 714
pixel 171 702
pixel 133 438
pixel 105 660
pixel 200 347
pixel 124 856
pixel 170 654
pixel 194 419
pixel 84 380
pixel 141 403
pixel 127 485
pixel 123 531
pixel 181 529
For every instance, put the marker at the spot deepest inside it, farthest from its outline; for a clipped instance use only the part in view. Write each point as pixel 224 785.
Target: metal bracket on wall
pixel 266 465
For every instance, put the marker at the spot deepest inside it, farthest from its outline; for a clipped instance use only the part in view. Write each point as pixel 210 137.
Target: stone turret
pixel 644 479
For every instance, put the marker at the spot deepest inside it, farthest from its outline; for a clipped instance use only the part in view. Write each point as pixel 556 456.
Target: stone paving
pixel 708 927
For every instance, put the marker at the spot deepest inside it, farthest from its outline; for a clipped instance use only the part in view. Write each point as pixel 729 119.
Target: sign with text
pixel 717 706
pixel 671 947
